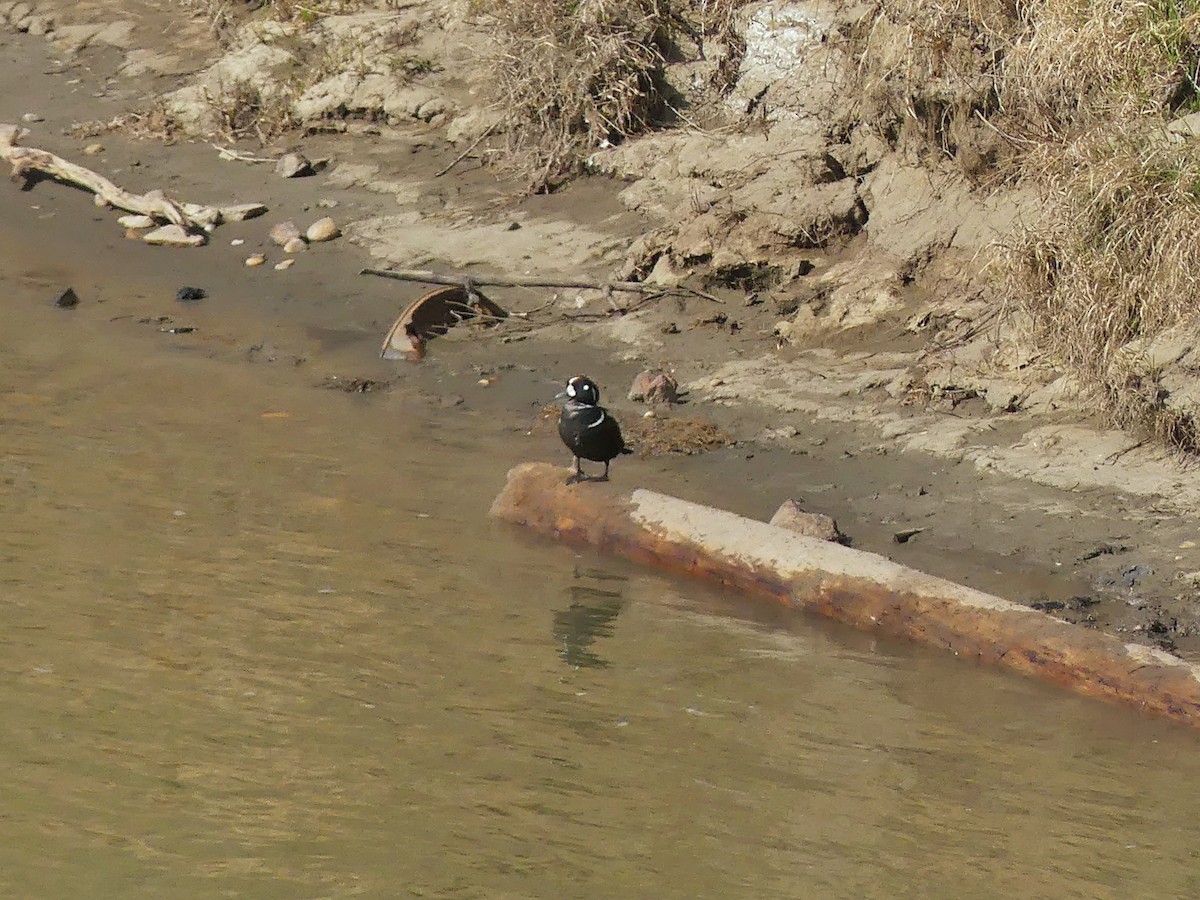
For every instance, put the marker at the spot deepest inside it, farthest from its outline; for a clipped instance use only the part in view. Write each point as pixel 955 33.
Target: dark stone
pixel 190 294
pixel 68 299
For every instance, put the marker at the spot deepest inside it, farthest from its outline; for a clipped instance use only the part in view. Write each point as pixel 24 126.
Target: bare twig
pixel 231 155
pixel 427 277
pixel 475 143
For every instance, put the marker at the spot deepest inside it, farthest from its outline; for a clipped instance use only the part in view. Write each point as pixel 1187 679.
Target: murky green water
pixel 259 640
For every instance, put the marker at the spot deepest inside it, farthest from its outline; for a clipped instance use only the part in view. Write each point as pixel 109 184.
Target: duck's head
pixel 583 390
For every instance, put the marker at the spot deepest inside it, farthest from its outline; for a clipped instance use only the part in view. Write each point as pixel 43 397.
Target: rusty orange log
pixel 861 589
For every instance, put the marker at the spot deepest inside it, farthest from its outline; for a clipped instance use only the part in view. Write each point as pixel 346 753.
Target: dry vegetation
pixel 1070 99
pixel 1066 98
pixel 224 15
pixel 572 76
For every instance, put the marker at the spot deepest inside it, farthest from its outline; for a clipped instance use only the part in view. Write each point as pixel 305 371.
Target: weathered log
pixel 191 216
pixel 861 589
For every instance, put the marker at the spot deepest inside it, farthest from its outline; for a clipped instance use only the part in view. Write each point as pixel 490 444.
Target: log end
pixel 530 490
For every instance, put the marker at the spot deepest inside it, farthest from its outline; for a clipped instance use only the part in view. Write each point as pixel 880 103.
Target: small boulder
pixel 39 26
pixel 284 232
pixel 323 229
pixel 136 221
pixel 173 236
pixel 188 294
pixel 293 165
pixel 654 386
pixel 815 525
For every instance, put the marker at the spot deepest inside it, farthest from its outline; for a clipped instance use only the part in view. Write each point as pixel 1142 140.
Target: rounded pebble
pixel 322 230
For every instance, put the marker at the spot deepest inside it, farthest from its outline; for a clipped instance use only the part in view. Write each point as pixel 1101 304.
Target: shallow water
pixel 259 640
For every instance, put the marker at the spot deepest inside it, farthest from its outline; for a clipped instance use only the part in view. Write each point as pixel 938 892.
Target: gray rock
pixel 74 38
pixel 18 12
pixel 1185 127
pixel 136 221
pixel 293 165
pixel 173 236
pixel 791 516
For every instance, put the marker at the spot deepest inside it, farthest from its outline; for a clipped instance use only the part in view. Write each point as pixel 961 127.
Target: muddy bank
pixel 1078 521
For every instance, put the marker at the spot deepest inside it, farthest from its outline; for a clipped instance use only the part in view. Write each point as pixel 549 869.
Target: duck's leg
pixel 578 476
pixel 604 477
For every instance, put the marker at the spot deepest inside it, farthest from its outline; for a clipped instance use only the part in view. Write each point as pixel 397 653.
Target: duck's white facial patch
pixel 598 421
pixel 570 388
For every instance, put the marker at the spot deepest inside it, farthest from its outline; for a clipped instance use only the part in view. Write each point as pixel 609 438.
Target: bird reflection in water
pixel 594 605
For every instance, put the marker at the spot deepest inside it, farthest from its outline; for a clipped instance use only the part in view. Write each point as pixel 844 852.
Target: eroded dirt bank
pixel 1036 504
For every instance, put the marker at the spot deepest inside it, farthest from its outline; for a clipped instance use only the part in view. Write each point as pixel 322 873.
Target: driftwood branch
pixel 189 216
pixel 426 277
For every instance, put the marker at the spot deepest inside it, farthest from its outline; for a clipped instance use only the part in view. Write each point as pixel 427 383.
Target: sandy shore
pixel 1121 560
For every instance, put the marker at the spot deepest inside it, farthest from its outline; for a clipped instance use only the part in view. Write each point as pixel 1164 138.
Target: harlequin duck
pixel 587 428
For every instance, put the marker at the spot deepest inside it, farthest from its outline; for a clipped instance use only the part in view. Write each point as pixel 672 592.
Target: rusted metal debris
pixel 858 588
pixel 434 314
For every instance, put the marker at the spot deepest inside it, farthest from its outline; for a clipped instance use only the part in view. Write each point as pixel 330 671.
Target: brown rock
pixel 793 518
pixel 653 386
pixel 324 229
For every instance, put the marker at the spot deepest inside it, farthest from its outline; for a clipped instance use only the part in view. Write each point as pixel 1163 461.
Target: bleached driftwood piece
pixel 189 216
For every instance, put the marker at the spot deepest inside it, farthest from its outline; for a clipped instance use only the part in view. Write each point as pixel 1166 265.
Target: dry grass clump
pixel 153 123
pixel 956 73
pixel 1068 98
pixel 245 110
pixel 662 436
pixel 1112 264
pixel 571 76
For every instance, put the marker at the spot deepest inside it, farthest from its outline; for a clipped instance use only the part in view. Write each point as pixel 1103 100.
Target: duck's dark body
pixel 587 428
